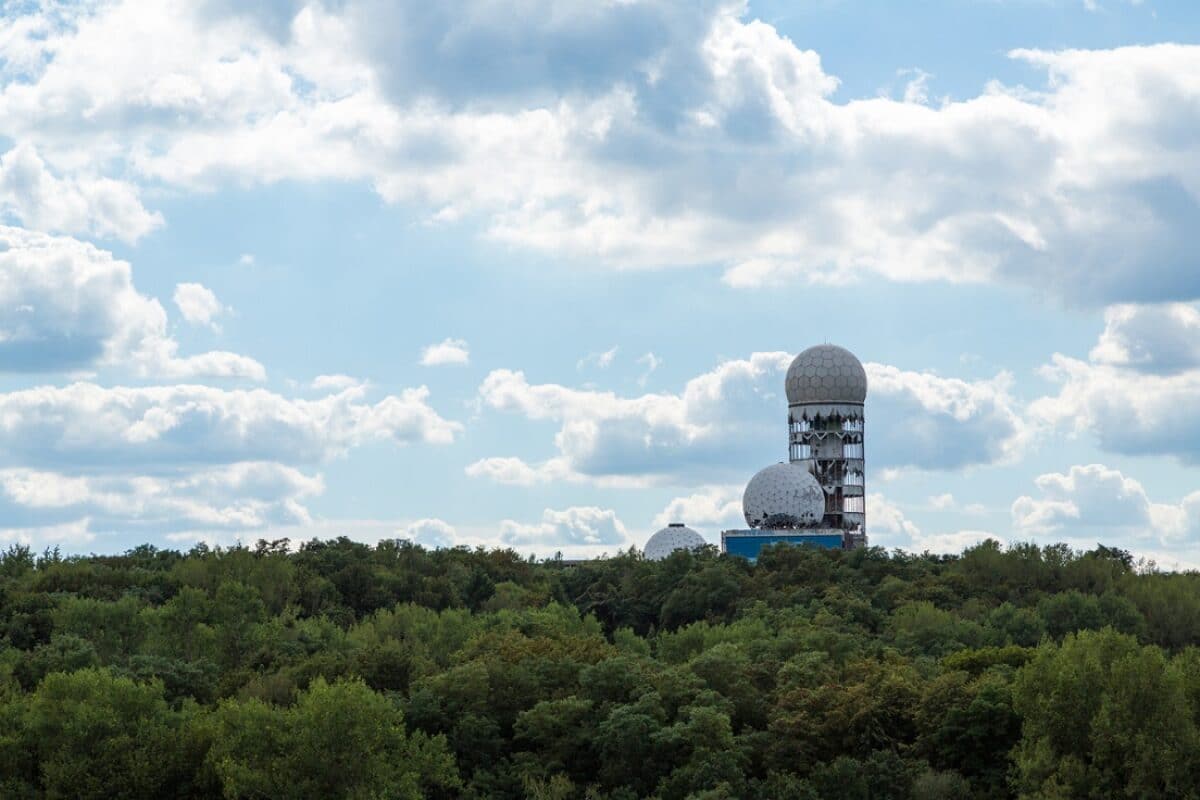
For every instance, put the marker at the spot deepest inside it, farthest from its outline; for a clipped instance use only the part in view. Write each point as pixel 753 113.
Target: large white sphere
pixel 783 496
pixel 826 374
pixel 671 538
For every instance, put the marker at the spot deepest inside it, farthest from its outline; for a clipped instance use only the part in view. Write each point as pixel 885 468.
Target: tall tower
pixel 826 389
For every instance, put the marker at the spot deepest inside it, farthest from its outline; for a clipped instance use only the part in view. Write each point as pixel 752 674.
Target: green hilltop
pixel 338 669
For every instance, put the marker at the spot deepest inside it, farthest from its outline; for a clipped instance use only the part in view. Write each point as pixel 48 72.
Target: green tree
pixel 96 735
pixel 1104 717
pixel 340 740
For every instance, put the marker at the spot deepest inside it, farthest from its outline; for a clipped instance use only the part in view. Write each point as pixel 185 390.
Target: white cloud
pixel 85 426
pixel 1136 393
pixel 574 526
pixel 336 383
pixel 240 496
pixel 942 502
pixel 429 533
pixel 652 363
pixel 726 422
pixel 198 304
pixel 187 461
pixel 1158 338
pixel 70 306
pixel 927 421
pixel 515 472
pixel 601 360
pixel 717 424
pixel 68 534
pixel 1128 412
pixel 81 204
pixel 595 131
pixel 1096 501
pixel 888 527
pixel 448 351
pixel 718 507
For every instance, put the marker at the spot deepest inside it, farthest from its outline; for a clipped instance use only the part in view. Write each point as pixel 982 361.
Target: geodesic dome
pixel 783 496
pixel 675 536
pixel 826 374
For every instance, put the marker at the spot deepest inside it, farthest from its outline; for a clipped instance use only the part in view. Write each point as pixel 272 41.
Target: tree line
pixel 338 669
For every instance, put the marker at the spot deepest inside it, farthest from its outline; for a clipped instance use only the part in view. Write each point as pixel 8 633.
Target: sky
pixel 530 274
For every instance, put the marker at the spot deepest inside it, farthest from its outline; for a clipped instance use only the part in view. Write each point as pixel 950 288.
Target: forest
pixel 338 669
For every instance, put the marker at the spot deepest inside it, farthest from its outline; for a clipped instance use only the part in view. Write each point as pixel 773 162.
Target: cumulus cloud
pixel 336 382
pixel 725 423
pixel 1135 393
pixel 198 304
pixel 429 533
pixel 448 351
pixel 68 305
pixel 68 534
pixel 516 472
pixel 889 527
pixel 643 134
pixel 1095 500
pixel 184 460
pixel 87 426
pixel 1159 338
pixel 918 419
pixel 574 526
pixel 81 204
pixel 713 506
pixel 1128 411
pixel 717 424
pixel 231 497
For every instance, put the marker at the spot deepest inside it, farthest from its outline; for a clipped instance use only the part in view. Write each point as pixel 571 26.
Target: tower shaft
pixel 828 438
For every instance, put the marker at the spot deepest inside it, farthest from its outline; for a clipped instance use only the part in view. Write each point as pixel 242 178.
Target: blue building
pixel 747 543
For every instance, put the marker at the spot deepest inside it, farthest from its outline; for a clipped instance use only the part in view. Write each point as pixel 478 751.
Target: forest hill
pixel 343 670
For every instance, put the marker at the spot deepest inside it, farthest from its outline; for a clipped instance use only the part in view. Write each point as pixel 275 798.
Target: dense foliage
pixel 342 670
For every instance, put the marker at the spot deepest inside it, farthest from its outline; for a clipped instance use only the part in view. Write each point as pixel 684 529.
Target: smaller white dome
pixel 675 536
pixel 783 496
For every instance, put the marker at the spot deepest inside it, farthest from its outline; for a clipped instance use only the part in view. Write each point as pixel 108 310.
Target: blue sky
pixel 531 275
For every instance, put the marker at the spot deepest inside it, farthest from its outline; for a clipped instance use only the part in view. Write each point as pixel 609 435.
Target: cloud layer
pixel 68 306
pixel 643 134
pixel 576 526
pixel 725 423
pixel 1136 393
pixel 1096 502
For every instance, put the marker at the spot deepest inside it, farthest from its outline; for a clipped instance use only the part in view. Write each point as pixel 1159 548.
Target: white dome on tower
pixel 826 373
pixel 675 536
pixel 783 496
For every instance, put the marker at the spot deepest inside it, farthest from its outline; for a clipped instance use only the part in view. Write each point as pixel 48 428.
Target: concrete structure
pixel 675 536
pixel 827 391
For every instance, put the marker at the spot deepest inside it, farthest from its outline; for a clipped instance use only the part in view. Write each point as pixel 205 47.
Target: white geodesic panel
pixel 826 374
pixel 670 539
pixel 783 496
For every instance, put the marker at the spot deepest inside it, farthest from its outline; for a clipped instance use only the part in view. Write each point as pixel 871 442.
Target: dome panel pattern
pixel 783 496
pixel 826 373
pixel 670 539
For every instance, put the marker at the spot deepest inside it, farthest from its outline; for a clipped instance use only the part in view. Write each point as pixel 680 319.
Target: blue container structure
pixel 748 543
